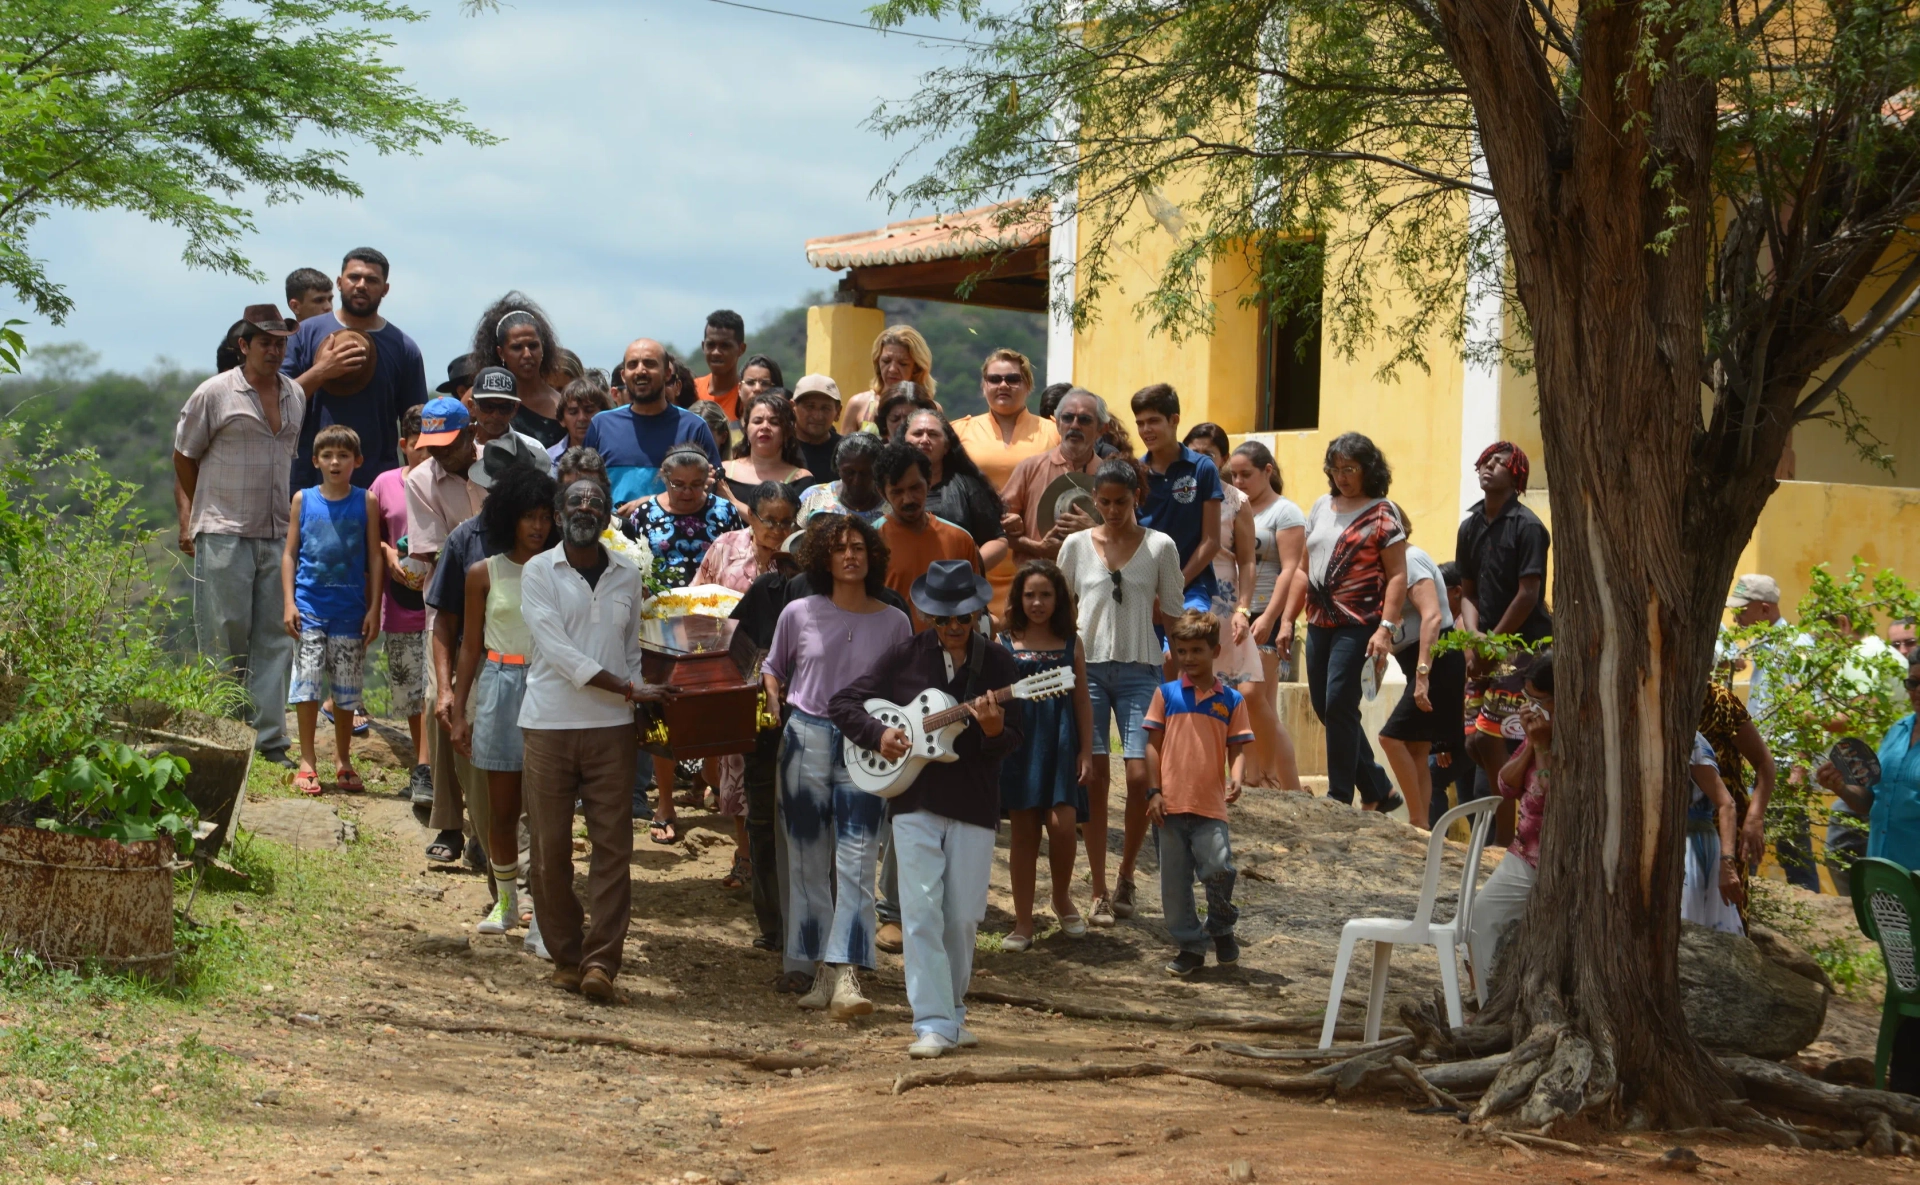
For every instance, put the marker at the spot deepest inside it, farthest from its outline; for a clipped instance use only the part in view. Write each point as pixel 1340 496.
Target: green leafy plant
pixel 1499 651
pixel 112 792
pixel 1827 677
pixel 83 628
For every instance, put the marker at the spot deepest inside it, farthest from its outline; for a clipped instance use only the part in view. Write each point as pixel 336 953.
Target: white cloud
pixel 660 161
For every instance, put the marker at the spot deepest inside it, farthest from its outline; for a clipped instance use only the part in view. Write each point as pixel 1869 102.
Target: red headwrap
pixel 1516 462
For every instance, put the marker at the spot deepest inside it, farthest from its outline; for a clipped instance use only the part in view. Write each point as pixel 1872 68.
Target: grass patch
pixel 98 1071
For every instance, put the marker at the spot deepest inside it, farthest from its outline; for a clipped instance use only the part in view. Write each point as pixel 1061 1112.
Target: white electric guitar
pixel 933 722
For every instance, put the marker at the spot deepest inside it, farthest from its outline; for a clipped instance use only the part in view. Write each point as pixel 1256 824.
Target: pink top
pixel 1533 808
pixel 390 490
pixel 729 562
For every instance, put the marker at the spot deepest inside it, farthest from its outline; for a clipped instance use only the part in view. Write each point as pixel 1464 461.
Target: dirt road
pixel 351 1080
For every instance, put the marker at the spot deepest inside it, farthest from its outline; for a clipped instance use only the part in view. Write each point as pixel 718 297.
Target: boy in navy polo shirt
pixel 1198 731
pixel 1182 487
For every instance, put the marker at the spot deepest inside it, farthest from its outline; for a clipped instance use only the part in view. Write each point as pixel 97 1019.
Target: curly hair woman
pixel 514 332
pixel 822 643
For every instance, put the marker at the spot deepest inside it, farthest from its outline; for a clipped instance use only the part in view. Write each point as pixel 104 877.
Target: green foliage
pixel 127 420
pixel 1824 680
pixel 82 638
pixel 1236 129
pixel 111 792
pixel 171 108
pixel 1498 650
pixel 1852 964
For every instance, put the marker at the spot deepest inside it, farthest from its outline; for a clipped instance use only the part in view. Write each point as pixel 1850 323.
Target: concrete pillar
pixel 840 344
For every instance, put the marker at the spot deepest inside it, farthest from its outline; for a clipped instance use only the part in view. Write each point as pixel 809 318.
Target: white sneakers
pixel 534 944
pixel 500 918
pixel 967 1038
pixel 928 1045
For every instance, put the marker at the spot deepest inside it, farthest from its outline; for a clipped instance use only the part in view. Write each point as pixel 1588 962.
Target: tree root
pixel 1888 1119
pixel 1233 1021
pixel 1516 1079
pixel 1435 1095
pixel 725 1053
pixel 1255 1079
pixel 1436 1037
pixel 1337 1053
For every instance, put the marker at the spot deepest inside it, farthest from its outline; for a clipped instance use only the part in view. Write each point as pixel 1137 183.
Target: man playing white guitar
pixel 943 822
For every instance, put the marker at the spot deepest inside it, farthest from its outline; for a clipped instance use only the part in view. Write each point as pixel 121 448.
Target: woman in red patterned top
pixel 1356 582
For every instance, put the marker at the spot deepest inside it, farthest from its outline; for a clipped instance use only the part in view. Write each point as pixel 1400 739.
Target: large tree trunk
pixel 1644 549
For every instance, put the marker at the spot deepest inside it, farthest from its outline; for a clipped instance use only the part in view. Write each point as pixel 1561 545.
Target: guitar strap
pixel 976 665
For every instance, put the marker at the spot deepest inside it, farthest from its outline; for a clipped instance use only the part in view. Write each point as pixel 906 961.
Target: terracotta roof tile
pixel 938 236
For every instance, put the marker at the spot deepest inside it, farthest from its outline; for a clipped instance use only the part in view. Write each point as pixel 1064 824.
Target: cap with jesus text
pixel 442 421
pixel 1751 588
pixel 495 382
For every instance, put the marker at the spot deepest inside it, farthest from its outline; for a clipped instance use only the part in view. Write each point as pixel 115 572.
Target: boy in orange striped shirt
pixel 1198 731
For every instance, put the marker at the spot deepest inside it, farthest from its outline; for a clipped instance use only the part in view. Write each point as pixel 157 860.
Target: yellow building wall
pixel 840 345
pixel 1885 391
pixel 1807 523
pixel 1413 417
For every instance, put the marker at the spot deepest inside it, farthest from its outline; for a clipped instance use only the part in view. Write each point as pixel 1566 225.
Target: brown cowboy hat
pixel 268 318
pixel 355 380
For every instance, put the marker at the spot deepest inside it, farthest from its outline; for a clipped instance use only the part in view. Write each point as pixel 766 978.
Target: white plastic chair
pixel 1421 930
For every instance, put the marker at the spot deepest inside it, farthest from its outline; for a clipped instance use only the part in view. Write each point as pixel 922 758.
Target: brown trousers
pixel 596 766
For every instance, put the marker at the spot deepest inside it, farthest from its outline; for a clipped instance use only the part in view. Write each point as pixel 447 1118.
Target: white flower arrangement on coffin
pixel 706 600
pixel 614 539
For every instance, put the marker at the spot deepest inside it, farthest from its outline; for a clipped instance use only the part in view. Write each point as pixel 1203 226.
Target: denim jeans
pixel 769 870
pixel 886 906
pixel 944 868
pixel 833 842
pixel 1193 846
pixel 1335 656
pixel 238 622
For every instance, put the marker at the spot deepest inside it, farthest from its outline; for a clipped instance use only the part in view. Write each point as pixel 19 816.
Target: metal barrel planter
pixel 74 900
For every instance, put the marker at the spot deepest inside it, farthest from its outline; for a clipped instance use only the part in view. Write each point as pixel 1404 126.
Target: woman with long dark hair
pixel 1356 582
pixel 1116 572
pixel 769 448
pixel 514 332
pixel 958 491
pixel 1043 783
pixel 822 643
pixel 1279 542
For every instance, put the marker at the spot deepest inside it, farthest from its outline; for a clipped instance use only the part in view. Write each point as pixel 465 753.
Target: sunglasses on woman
pixel 1117 587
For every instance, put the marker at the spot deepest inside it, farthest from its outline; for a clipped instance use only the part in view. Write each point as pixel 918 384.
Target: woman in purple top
pixel 822 643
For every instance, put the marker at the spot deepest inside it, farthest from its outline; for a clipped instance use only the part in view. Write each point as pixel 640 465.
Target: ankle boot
pixel 847 1000
pixel 822 993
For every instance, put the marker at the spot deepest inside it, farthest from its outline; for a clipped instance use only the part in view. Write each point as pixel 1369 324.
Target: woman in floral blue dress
pixel 679 524
pixel 1043 784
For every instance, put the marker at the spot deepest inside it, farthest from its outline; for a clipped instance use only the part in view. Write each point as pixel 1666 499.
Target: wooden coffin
pixel 716 671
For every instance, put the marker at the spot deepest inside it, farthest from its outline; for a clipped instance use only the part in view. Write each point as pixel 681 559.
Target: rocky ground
pixel 367 1064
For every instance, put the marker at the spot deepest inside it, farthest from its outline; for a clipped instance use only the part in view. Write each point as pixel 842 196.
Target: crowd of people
pixel 880 549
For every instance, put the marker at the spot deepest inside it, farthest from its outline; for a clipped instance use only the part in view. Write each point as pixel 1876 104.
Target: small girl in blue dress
pixel 1044 782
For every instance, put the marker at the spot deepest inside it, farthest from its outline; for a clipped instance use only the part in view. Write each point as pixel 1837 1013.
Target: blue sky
pixel 660 160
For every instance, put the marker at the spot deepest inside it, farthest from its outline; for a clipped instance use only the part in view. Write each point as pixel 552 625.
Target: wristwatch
pixel 1244 611
pixel 1425 668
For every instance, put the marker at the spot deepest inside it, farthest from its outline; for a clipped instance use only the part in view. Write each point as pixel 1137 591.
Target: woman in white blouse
pixel 1121 575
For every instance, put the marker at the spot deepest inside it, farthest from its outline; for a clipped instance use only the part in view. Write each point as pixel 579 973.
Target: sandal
pixel 445 848
pixel 741 875
pixel 307 782
pixel 793 983
pixel 664 831
pixel 347 781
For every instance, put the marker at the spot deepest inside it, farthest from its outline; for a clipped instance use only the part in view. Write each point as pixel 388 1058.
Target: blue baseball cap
pixel 442 420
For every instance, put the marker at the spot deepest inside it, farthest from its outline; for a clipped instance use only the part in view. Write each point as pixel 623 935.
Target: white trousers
pixel 1501 900
pixel 944 868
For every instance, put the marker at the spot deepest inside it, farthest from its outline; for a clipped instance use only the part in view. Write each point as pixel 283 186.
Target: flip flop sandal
pixel 665 832
pixel 348 782
pixel 742 874
pixel 361 724
pixel 307 782
pixel 444 851
pixel 793 983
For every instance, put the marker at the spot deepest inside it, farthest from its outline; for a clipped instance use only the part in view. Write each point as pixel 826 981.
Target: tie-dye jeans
pixel 833 841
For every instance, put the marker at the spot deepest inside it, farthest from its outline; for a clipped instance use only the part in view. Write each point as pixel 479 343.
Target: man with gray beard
pixel 582 605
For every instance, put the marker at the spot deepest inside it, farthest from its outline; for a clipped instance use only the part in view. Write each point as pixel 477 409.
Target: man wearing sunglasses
pixel 943 824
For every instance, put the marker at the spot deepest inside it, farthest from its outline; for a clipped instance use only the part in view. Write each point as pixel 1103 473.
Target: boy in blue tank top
pixel 329 581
